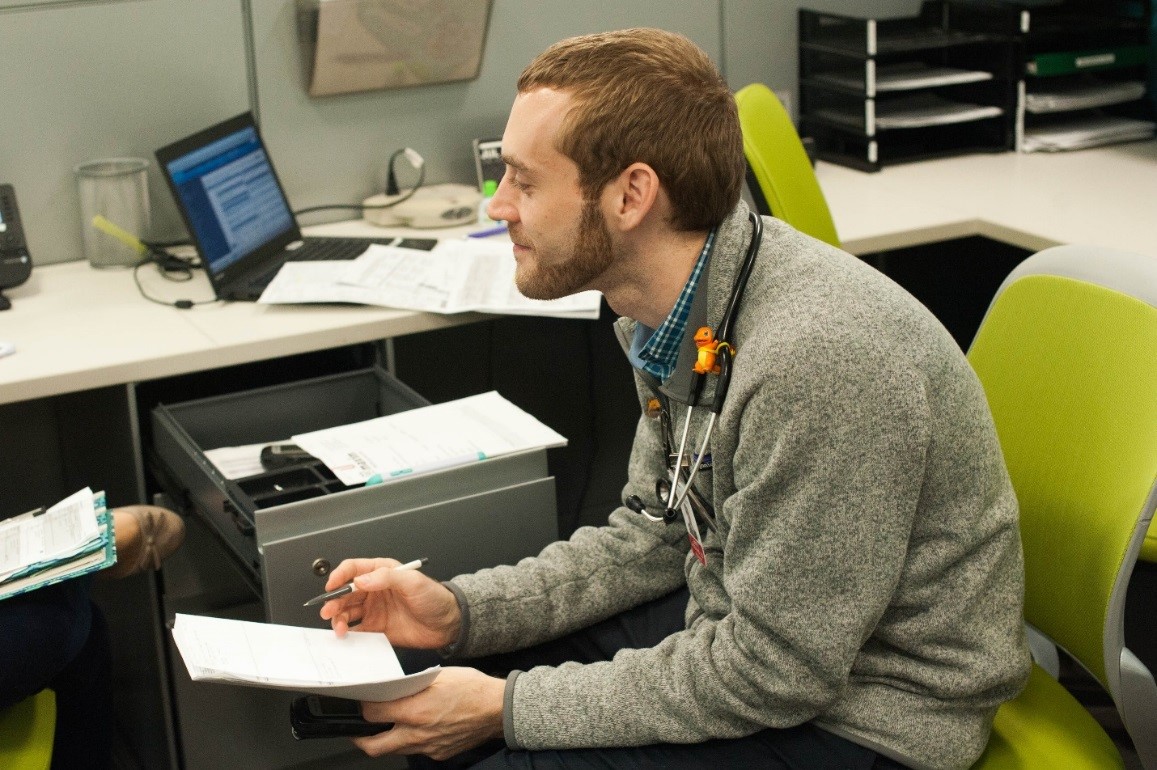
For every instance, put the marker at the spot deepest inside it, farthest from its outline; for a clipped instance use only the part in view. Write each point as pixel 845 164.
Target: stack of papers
pixel 361 666
pixel 427 439
pixel 905 76
pixel 39 548
pixel 1082 95
pixel 916 111
pixel 1086 132
pixel 457 276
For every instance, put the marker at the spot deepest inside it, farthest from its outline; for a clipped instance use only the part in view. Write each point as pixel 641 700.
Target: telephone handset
pixel 15 264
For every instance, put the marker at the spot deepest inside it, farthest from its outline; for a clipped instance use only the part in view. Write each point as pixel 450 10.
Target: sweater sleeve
pixel 827 480
pixel 572 584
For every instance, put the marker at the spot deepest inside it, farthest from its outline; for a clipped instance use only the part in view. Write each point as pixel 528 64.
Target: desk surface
pixel 76 328
pixel 1101 197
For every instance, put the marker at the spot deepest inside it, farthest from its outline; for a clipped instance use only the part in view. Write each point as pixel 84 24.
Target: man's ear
pixel 633 196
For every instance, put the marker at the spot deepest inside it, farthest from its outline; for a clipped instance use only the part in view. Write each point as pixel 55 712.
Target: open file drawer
pixel 289 527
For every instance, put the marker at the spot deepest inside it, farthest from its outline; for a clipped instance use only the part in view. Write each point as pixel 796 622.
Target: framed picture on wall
pixel 367 45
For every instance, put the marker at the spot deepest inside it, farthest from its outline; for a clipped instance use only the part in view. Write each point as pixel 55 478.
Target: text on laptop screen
pixel 231 197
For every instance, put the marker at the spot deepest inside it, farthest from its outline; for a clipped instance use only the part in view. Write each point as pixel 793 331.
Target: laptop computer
pixel 235 209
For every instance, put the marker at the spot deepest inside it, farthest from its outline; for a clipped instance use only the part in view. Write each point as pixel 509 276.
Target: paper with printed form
pixel 70 539
pixel 67 529
pixel 361 666
pixel 457 276
pixel 427 439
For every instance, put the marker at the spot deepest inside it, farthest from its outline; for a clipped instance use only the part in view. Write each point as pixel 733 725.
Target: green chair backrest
pixel 1070 371
pixel 780 165
pixel 27 730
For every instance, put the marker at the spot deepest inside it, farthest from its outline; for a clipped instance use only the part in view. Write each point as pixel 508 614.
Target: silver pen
pixel 349 587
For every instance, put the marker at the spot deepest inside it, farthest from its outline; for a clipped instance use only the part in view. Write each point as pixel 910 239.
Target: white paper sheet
pixel 905 76
pixel 63 530
pixel 457 276
pixel 427 439
pixel 362 665
pixel 1079 133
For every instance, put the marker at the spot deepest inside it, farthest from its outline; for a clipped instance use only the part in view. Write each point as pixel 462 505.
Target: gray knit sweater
pixel 866 574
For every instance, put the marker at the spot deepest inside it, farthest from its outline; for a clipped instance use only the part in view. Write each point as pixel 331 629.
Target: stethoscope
pixel 677 493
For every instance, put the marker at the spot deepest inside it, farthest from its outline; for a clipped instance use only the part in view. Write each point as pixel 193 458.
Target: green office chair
pixel 779 173
pixel 1067 355
pixel 26 733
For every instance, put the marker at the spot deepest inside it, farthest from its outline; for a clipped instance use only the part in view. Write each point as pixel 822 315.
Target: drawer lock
pixel 321 567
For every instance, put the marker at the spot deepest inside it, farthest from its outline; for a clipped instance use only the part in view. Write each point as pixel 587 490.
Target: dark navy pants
pixel 56 638
pixel 804 746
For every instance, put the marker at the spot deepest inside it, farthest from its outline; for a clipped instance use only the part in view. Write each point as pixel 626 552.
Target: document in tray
pixel 361 666
pixel 1082 95
pixel 457 276
pixel 427 439
pixel 1079 133
pixel 905 76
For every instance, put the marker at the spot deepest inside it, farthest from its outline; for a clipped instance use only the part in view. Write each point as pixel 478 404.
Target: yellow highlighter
pixel 125 237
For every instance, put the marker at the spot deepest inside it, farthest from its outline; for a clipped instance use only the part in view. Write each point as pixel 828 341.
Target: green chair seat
pixel 26 733
pixel 1046 728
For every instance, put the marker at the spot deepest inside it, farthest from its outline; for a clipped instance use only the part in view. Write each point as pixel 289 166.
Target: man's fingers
pixel 351 568
pixel 393 741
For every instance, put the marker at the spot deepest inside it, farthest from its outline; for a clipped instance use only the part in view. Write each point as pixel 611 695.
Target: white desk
pixel 76 328
pixel 1102 197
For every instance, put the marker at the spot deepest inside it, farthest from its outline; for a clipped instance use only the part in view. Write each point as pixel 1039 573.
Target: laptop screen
pixel 228 193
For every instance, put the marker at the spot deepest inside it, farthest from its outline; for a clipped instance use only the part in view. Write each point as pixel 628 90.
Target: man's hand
pixel 460 710
pixel 413 610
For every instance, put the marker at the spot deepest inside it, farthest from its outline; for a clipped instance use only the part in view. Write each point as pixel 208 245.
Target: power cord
pixel 416 160
pixel 172 268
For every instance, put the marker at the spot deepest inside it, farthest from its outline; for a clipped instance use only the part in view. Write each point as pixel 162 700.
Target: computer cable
pixel 416 160
pixel 172 268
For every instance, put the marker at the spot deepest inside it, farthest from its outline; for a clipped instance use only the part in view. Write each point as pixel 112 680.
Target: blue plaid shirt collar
pixel 657 351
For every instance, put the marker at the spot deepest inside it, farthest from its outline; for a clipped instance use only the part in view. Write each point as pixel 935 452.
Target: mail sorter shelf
pixel 880 91
pixel 1084 68
pixel 287 528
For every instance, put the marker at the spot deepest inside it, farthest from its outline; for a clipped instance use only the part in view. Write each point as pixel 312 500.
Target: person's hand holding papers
pixel 462 707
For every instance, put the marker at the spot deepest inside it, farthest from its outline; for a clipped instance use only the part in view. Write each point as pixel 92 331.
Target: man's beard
pixel 592 253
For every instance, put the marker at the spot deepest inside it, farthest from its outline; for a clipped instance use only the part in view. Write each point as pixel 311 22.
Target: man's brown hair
pixel 650 96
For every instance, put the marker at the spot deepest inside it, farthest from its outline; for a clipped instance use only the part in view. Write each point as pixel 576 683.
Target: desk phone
pixel 15 264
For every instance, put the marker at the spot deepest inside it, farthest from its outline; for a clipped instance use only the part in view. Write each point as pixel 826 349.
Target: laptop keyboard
pixel 315 249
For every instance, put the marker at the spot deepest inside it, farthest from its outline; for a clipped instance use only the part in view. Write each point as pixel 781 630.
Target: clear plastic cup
pixel 118 190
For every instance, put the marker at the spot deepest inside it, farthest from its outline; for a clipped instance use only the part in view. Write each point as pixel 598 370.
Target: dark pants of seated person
pixel 804 746
pixel 56 638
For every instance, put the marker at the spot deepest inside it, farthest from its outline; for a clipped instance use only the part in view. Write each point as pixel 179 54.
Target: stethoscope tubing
pixel 686 500
pixel 675 498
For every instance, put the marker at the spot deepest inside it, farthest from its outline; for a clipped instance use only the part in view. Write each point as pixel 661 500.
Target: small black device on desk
pixel 277 456
pixel 15 264
pixel 321 716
